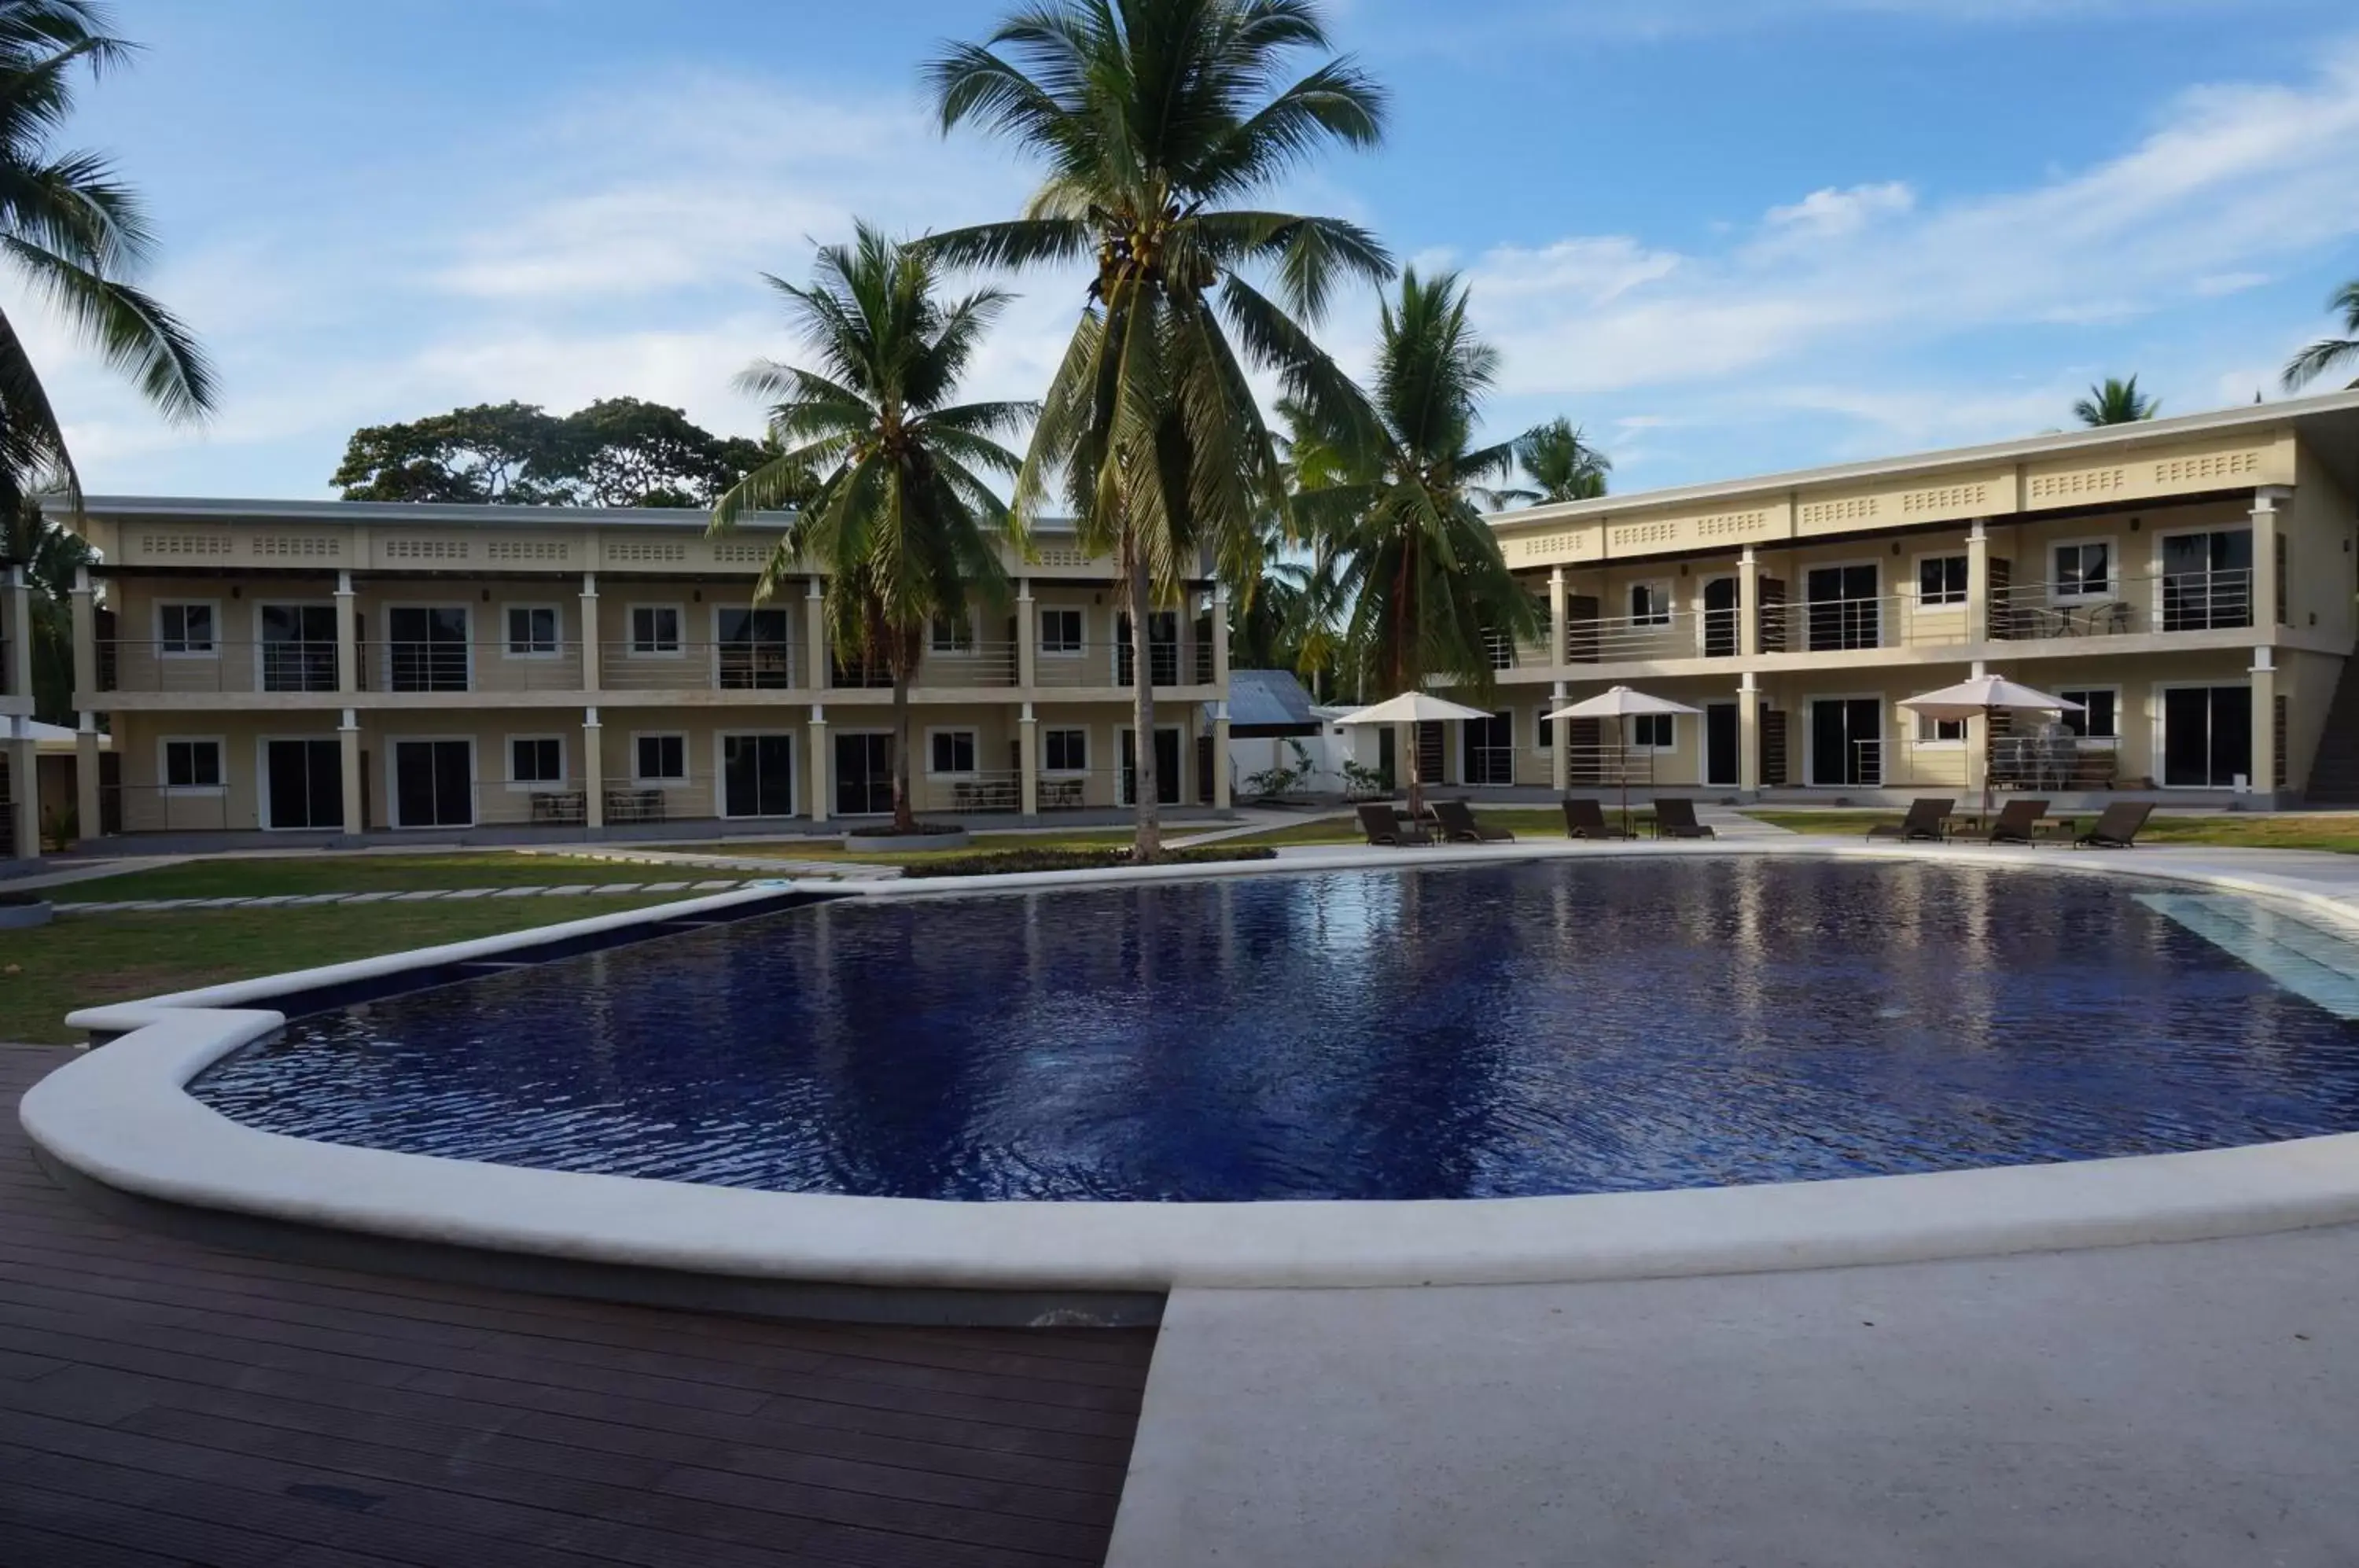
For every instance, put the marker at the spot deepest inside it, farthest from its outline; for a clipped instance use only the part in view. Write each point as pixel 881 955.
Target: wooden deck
pixel 164 1403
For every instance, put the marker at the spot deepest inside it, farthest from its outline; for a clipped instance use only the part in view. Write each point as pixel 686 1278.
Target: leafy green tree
pixel 902 520
pixel 2115 403
pixel 621 451
pixel 49 554
pixel 1428 586
pixel 75 235
pixel 1157 121
pixel 617 452
pixel 2327 353
pixel 1561 464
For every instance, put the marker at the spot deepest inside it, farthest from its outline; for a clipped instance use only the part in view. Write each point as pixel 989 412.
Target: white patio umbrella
pixel 1618 703
pixel 1412 708
pixel 1980 698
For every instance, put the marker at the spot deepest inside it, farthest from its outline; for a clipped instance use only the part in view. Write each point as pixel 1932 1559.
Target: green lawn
pixel 248 877
pixel 2329 831
pixel 1528 821
pixel 825 849
pixel 76 961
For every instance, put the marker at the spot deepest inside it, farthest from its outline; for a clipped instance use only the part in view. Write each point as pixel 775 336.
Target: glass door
pixel 1487 750
pixel 754 654
pixel 1847 741
pixel 433 784
pixel 2207 579
pixel 1842 607
pixel 864 775
pixel 1167 767
pixel 298 647
pixel 2207 736
pixel 305 780
pixel 425 648
pixel 1721 739
pixel 1719 618
pixel 757 776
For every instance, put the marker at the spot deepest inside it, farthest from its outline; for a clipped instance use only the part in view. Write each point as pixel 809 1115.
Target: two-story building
pixel 342 668
pixel 2190 582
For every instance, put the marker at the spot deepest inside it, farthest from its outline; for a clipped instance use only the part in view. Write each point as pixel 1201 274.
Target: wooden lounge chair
pixel 1586 818
pixel 1925 820
pixel 1376 820
pixel 2117 827
pixel 2017 821
pixel 1460 825
pixel 1675 818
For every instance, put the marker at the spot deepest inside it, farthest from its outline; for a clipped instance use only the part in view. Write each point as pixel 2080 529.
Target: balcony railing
pixel 1620 638
pixel 2167 601
pixel 976 664
pixel 125 665
pixel 700 667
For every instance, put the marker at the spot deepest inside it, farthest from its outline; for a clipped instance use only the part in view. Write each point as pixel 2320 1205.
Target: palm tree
pixel 49 553
pixel 1563 466
pixel 900 520
pixel 1428 588
pixel 1156 118
pixel 2115 403
pixel 74 232
pixel 2327 353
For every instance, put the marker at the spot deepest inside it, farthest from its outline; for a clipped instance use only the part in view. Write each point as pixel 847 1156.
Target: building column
pixel 86 798
pixel 85 638
pixel 348 739
pixel 1749 604
pixel 83 599
pixel 24 788
pixel 817 745
pixel 1556 631
pixel 348 643
pixel 593 771
pixel 2269 564
pixel 1027 643
pixel 1221 760
pixel 17 625
pixel 1220 632
pixel 1559 752
pixel 593 652
pixel 1749 734
pixel 2262 771
pixel 1027 760
pixel 1978 586
pixel 815 650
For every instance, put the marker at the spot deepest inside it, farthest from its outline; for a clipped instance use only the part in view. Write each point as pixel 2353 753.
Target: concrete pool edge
pixel 118 1117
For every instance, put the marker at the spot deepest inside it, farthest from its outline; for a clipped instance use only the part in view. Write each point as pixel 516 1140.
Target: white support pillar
pixel 1221 759
pixel 24 754
pixel 16 626
pixel 85 638
pixel 1027 764
pixel 348 649
pixel 815 651
pixel 2263 770
pixel 1749 604
pixel 1559 752
pixel 1219 634
pixel 1978 583
pixel 819 773
pixel 86 796
pixel 1027 646
pixel 348 743
pixel 1748 731
pixel 593 771
pixel 2270 567
pixel 593 652
pixel 1556 626
pixel 84 601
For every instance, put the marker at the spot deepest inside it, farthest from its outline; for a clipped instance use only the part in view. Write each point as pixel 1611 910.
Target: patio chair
pixel 1382 827
pixel 1675 818
pixel 2117 827
pixel 1926 819
pixel 1460 825
pixel 2018 821
pixel 1586 818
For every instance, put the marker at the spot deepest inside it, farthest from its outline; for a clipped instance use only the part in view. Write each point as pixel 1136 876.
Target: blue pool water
pixel 1508 1030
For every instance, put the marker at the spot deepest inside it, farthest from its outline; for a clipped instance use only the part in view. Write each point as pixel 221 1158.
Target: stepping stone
pixel 664 887
pixel 150 905
pixel 197 903
pixel 713 887
pixel 320 899
pixel 471 893
pixel 375 897
pixel 274 899
pixel 519 892
pixel 570 889
pixel 418 895
pixel 619 887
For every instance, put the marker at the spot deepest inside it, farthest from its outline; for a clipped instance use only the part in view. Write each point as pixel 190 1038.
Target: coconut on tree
pixel 2329 354
pixel 1159 122
pixel 902 519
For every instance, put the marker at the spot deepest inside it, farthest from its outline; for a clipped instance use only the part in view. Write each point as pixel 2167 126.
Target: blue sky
pixel 1726 235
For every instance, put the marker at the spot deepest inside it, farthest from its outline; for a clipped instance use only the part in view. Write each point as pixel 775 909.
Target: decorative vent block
pixel 1061 555
pixel 2200 470
pixel 426 549
pixel 527 549
pixel 1949 498
pixel 1548 544
pixel 1633 534
pixel 741 554
pixel 305 547
pixel 647 552
pixel 185 544
pixel 1729 523
pixel 1858 509
pixel 2087 482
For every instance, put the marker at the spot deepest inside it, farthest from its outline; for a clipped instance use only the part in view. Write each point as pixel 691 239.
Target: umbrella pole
pixel 1622 770
pixel 1983 826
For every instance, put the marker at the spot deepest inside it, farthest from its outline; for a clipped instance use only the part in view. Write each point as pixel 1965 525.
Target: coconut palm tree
pixel 2115 403
pixel 1561 464
pixel 2326 354
pixel 74 233
pixel 49 553
pixel 1158 120
pixel 1429 592
pixel 902 519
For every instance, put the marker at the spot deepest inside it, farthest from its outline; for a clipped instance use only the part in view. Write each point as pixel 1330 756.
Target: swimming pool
pixel 1507 1030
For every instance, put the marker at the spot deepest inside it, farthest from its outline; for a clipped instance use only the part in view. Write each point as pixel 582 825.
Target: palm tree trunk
pixel 1147 844
pixel 905 821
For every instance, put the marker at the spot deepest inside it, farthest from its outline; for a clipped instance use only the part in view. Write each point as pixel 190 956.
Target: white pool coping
pixel 120 1116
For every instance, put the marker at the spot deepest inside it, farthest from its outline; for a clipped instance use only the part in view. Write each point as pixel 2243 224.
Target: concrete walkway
pixel 2168 1407
pixel 412 895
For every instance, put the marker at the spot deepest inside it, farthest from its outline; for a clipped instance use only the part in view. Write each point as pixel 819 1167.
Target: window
pixel 426 647
pixel 655 629
pixel 532 631
pixel 952 634
pixel 1650 604
pixel 537 759
pixel 1932 730
pixel 663 759
pixel 1060 631
pixel 953 751
pixel 193 765
pixel 1941 580
pixel 1655 732
pixel 756 654
pixel 2099 716
pixel 2084 570
pixel 1065 751
pixel 1544 732
pixel 186 631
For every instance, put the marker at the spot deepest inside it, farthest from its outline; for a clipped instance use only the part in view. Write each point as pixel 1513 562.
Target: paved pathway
pixel 416 894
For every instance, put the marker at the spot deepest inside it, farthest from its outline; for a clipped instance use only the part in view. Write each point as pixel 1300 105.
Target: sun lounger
pixel 1675 818
pixel 1382 827
pixel 1925 820
pixel 1460 826
pixel 2017 821
pixel 2118 827
pixel 1585 819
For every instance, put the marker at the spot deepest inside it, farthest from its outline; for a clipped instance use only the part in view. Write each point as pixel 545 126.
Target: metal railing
pixel 134 665
pixel 700 667
pixel 976 664
pixel 2163 601
pixel 1616 639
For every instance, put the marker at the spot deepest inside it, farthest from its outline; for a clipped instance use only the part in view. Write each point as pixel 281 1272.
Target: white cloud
pixel 1833 214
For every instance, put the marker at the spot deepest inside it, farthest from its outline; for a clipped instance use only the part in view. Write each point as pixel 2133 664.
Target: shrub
pixel 998 862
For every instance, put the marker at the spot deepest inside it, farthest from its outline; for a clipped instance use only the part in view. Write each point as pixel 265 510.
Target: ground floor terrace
pixel 2203 729
pixel 631 770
